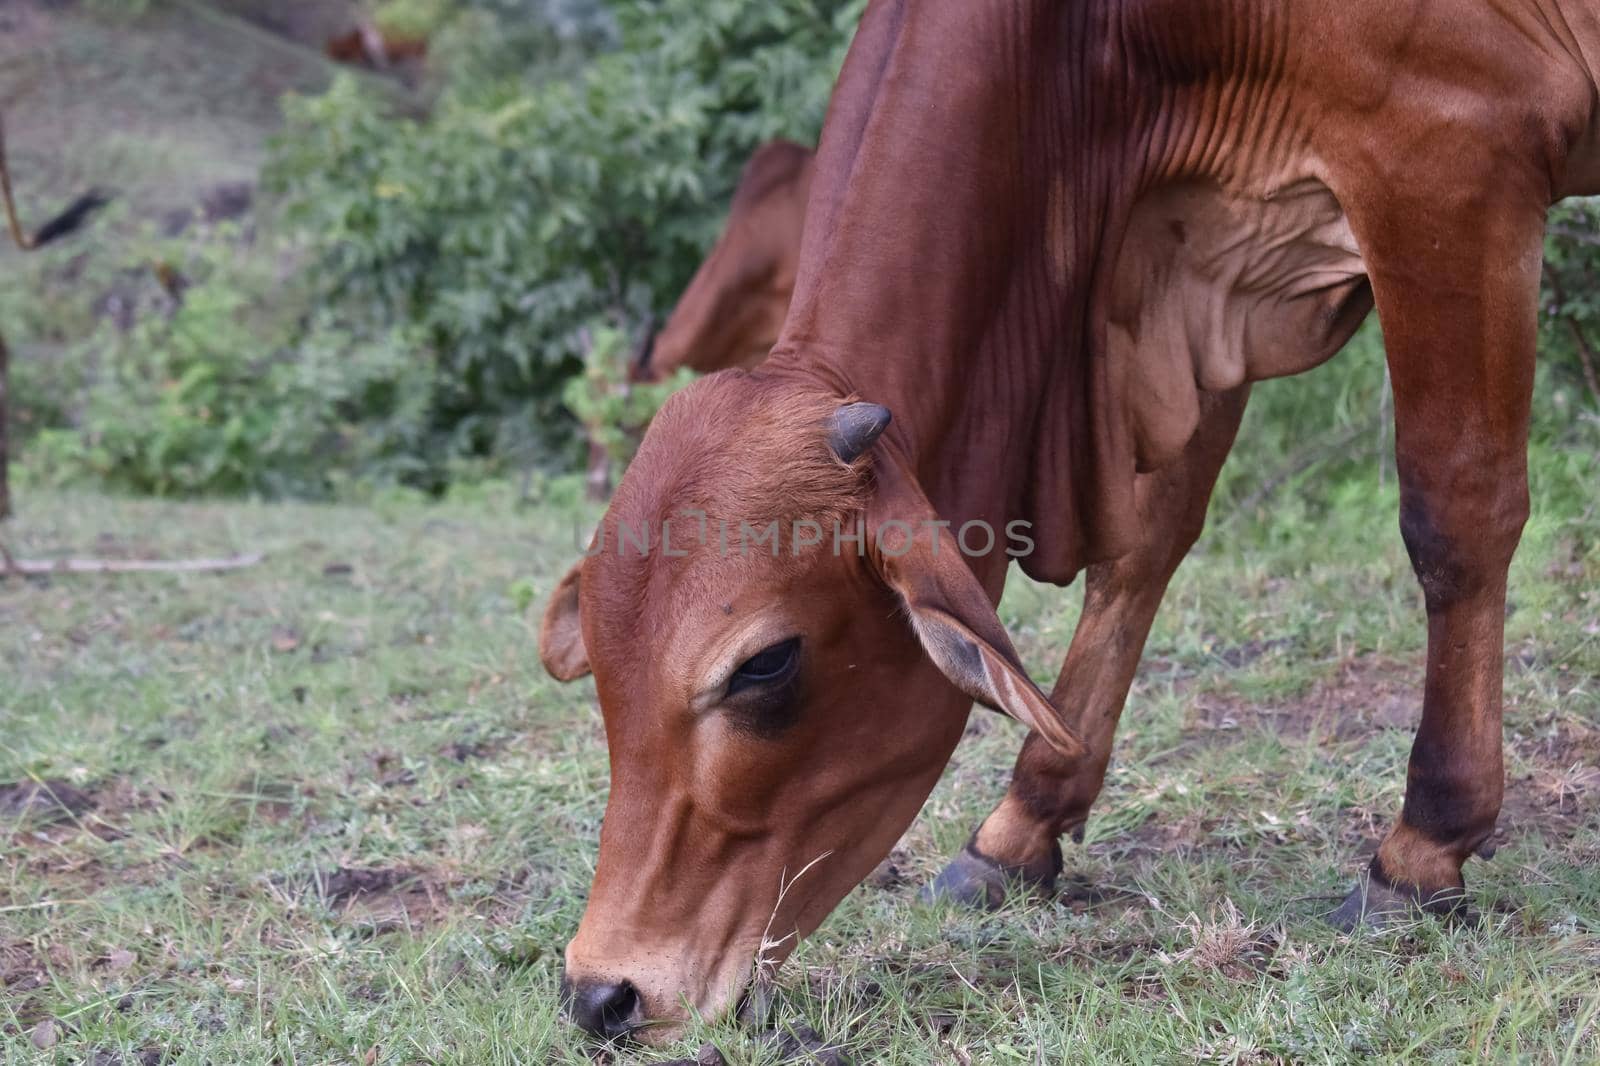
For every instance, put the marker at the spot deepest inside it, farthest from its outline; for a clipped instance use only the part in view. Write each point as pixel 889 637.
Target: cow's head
pixel 774 720
pixel 730 314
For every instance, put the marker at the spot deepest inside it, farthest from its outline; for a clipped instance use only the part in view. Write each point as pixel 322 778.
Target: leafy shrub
pixel 524 211
pixel 1570 333
pixel 410 18
pixel 217 395
pixel 613 411
pixel 472 281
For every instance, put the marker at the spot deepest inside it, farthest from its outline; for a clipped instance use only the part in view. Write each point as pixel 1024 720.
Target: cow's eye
pixel 773 666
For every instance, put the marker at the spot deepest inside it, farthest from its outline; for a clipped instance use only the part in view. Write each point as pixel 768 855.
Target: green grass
pixel 370 699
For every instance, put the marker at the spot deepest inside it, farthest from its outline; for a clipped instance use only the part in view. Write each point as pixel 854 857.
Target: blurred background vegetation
pixel 325 277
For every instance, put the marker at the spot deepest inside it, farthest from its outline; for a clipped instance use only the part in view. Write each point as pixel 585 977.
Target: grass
pixel 331 810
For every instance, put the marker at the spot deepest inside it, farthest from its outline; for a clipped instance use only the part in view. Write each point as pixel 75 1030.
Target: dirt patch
pixel 801 1043
pixel 1369 694
pixel 47 801
pixel 1162 834
pixel 21 970
pixel 145 1056
pixel 892 873
pixel 1562 790
pixel 466 749
pixel 1365 695
pixel 390 770
pixel 346 884
pixel 376 900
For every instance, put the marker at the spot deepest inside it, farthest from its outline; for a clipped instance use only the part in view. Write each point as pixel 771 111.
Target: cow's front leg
pixel 1458 299
pixel 1051 795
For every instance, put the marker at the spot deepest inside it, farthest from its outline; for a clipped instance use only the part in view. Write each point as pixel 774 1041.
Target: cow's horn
pixel 853 428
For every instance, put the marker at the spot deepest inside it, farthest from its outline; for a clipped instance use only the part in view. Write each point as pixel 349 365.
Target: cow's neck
pixel 927 282
pixel 917 293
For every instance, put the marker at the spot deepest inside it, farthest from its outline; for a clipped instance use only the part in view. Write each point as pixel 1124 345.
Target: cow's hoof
pixel 1378 905
pixel 974 880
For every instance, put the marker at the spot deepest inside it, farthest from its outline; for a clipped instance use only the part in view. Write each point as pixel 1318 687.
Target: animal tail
pixel 68 221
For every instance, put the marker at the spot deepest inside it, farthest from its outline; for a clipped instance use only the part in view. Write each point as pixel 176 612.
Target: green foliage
pixel 411 18
pixel 614 411
pixel 215 395
pixel 522 212
pixel 492 44
pixel 1570 333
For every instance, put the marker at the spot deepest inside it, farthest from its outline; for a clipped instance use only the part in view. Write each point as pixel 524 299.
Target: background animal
pixel 367 45
pixel 730 314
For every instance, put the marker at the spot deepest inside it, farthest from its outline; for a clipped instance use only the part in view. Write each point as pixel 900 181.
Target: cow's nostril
pixel 605 1009
pixel 622 1013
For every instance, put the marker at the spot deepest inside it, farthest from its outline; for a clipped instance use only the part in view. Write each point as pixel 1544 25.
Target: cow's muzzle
pixel 611 1010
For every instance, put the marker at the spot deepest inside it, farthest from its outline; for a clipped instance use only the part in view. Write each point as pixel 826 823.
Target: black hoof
pixel 1376 904
pixel 976 881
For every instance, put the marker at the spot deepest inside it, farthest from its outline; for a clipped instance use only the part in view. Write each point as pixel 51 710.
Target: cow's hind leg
pixel 1051 795
pixel 1456 279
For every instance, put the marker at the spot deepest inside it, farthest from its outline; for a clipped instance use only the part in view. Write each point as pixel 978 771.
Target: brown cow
pixel 730 314
pixel 1069 236
pixel 369 46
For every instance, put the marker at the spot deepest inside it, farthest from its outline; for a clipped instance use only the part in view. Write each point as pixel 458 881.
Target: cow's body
pixel 1058 241
pixel 1189 187
pixel 731 313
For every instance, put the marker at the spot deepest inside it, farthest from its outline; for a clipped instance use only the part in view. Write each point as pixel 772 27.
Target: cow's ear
pixel 560 634
pixel 950 611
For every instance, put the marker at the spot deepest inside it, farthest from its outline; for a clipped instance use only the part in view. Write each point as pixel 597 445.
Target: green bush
pixel 523 211
pixel 220 394
pixel 612 411
pixel 1570 333
pixel 410 18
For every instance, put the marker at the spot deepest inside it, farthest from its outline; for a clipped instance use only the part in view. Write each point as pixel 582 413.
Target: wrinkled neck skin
pixel 1572 28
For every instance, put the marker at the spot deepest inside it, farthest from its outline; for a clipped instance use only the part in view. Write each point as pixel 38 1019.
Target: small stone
pixel 802 1044
pixel 43 1036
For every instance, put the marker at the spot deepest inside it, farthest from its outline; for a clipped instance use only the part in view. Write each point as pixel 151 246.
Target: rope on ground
pixel 31 567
